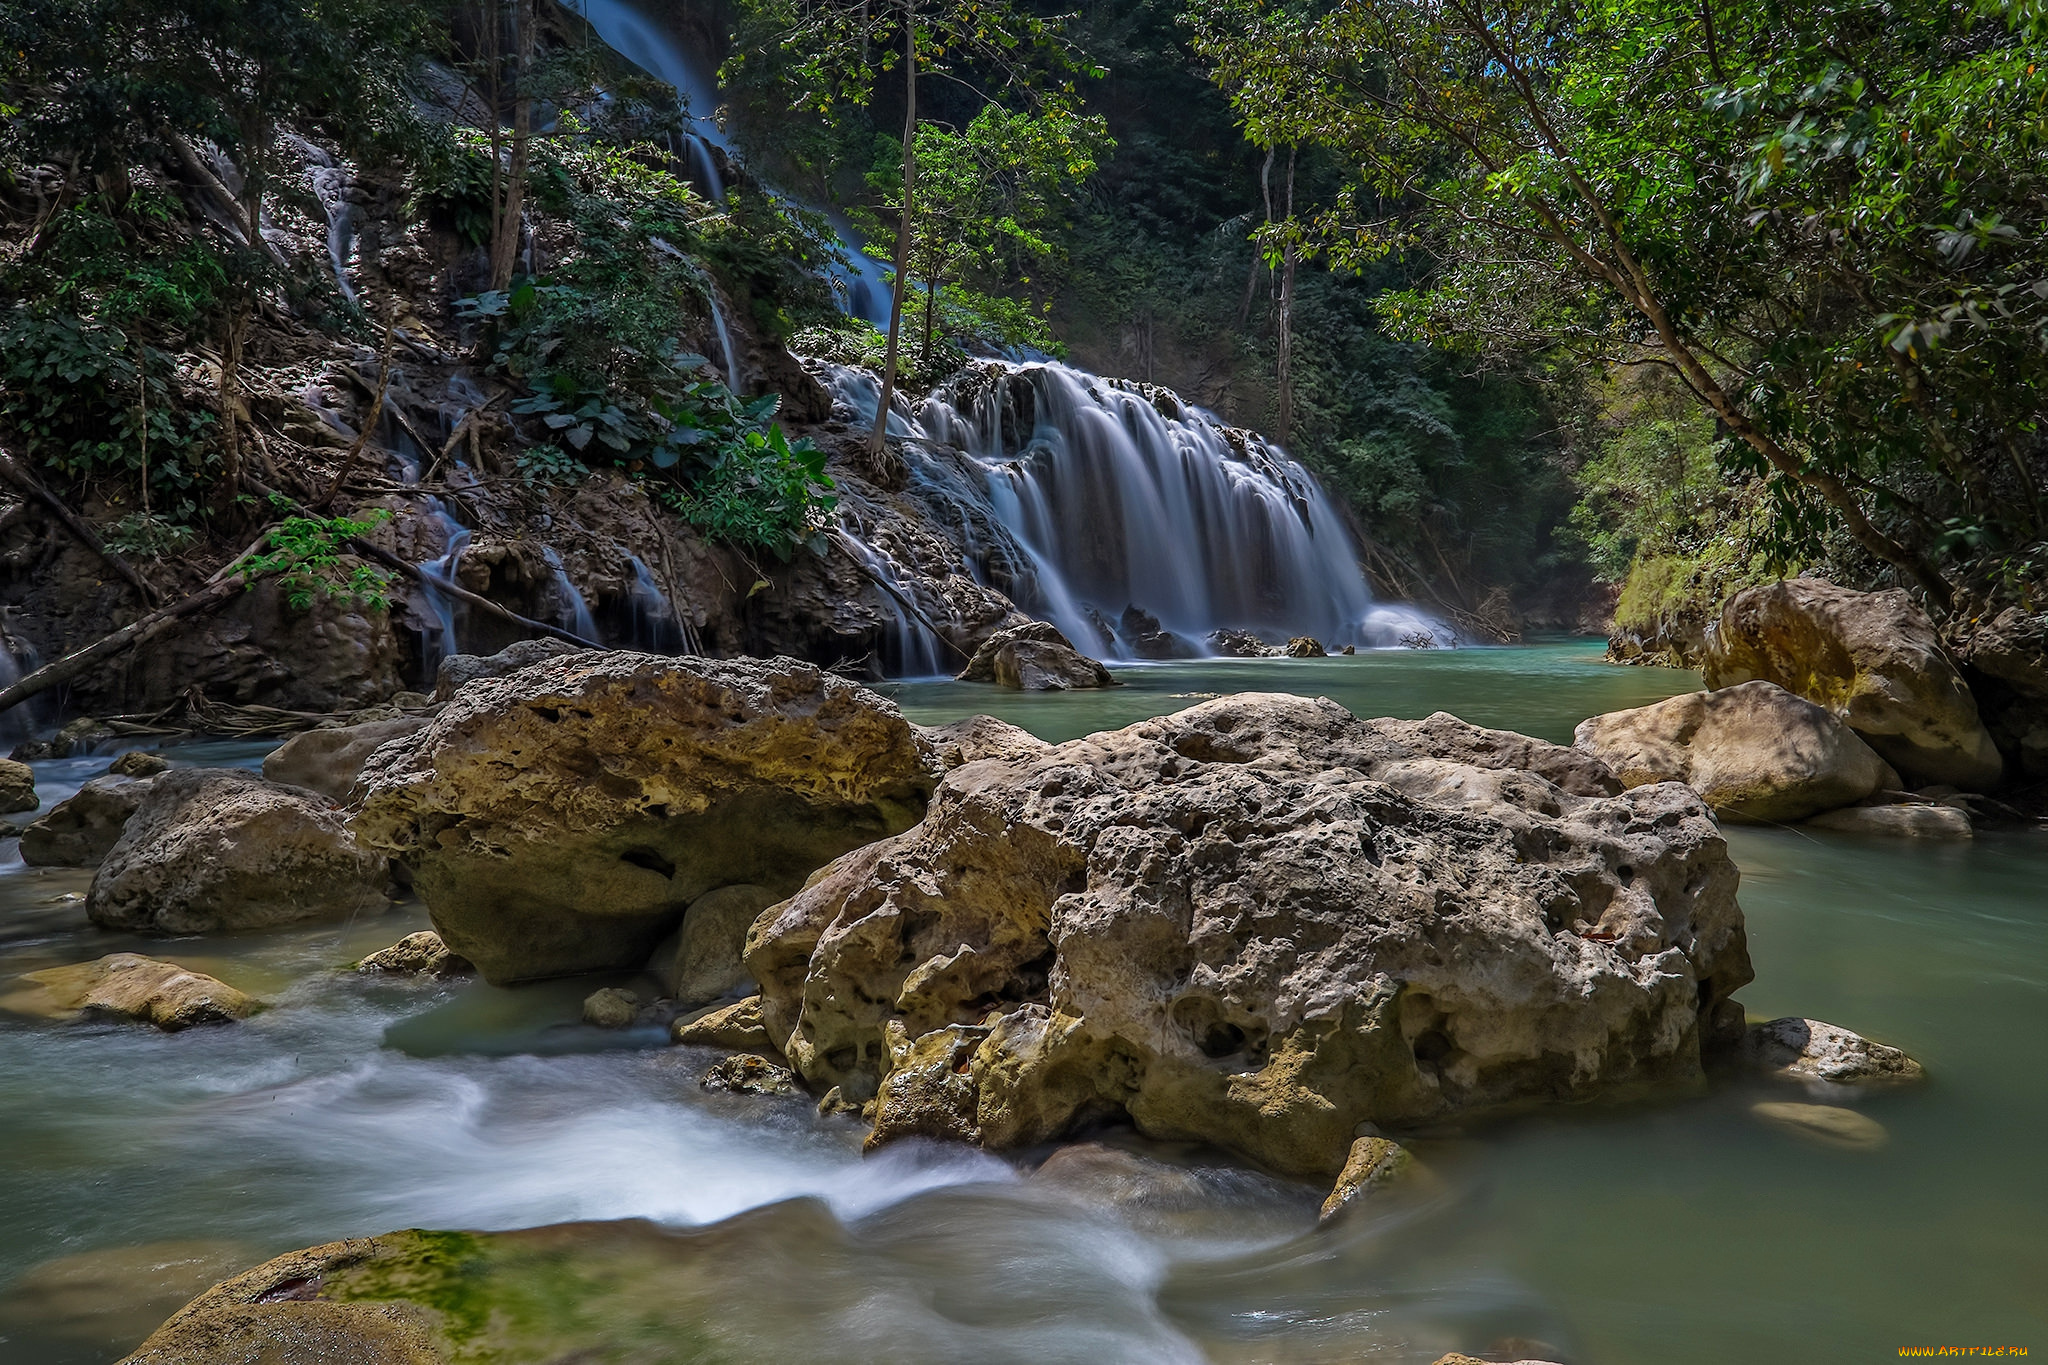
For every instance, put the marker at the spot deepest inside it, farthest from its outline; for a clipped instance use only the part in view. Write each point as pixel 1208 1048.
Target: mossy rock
pixel 623 1293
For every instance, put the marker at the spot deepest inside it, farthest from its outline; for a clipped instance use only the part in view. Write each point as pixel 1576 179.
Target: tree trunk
pixel 931 296
pixel 1283 359
pixel 511 213
pixel 877 442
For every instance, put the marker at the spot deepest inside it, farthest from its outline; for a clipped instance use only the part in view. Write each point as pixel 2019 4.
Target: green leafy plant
pixel 309 558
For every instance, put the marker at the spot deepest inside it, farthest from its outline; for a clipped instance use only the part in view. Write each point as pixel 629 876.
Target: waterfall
pixel 653 45
pixel 910 647
pixel 655 625
pixel 1146 523
pixel 435 574
pixel 573 612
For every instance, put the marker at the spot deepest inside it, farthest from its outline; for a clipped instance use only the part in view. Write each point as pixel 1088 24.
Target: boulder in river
pixel 1034 657
pixel 612 1007
pixel 1375 1164
pixel 421 954
pixel 1242 644
pixel 1809 1050
pixel 562 819
pixel 1754 752
pixel 82 829
pixel 17 787
pixel 1259 923
pixel 737 1026
pixel 1871 658
pixel 1306 647
pixel 138 763
pixel 131 986
pixel 330 760
pixel 212 849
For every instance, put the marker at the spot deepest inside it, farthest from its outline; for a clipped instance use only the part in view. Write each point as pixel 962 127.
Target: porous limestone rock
pixel 747 1074
pixel 1034 657
pixel 700 961
pixel 1242 644
pixel 1754 752
pixel 737 1026
pixel 563 818
pixel 1828 1124
pixel 138 763
pixel 131 986
pixel 329 761
pixel 1443 736
pixel 82 829
pixel 1947 824
pixel 420 954
pixel 612 1007
pixel 1260 923
pixel 458 670
pixel 1375 1164
pixel 978 737
pixel 1306 647
pixel 1809 1050
pixel 1871 658
pixel 17 787
pixel 217 848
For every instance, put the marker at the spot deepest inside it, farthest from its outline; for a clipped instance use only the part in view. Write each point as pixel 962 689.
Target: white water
pixel 573 612
pixel 1120 497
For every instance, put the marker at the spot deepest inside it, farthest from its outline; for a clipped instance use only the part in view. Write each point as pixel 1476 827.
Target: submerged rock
pixel 1871 658
pixel 1034 658
pixel 1375 1164
pixel 82 829
pixel 1809 1050
pixel 1906 821
pixel 1828 1124
pixel 1753 752
pixel 1258 923
pixel 107 1299
pixel 210 849
pixel 612 1007
pixel 563 819
pixel 330 761
pixel 421 954
pixel 131 986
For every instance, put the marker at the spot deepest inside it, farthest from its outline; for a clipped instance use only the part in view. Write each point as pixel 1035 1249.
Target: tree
pixel 1821 219
pixel 839 52
pixel 991 196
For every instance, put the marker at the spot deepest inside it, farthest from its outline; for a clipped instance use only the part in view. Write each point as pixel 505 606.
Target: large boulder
pixel 1034 657
pixel 1754 752
pixel 1260 923
pixel 82 829
pixel 1871 658
pixel 329 761
pixel 563 818
pixel 217 848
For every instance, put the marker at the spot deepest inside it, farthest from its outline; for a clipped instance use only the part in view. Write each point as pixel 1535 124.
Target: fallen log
pixel 71 522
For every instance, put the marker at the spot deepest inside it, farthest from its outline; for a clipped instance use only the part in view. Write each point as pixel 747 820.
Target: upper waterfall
pixel 1138 513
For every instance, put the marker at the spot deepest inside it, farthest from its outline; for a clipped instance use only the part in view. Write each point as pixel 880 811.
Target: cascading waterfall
pixel 1121 496
pixel 655 625
pixel 573 612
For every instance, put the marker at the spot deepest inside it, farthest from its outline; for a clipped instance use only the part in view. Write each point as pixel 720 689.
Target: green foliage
pixel 146 534
pixel 759 490
pixel 308 556
pixel 1810 212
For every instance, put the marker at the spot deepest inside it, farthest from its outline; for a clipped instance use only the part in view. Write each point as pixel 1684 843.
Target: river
pixel 138 1167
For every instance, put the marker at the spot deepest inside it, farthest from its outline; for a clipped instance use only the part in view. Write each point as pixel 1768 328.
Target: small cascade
pixel 654 625
pixel 439 573
pixel 910 647
pixel 573 613
pixel 731 357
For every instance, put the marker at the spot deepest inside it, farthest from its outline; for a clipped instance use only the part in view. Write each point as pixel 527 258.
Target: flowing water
pixel 138 1166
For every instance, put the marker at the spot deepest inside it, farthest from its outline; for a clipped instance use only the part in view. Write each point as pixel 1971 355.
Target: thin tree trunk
pixel 505 240
pixel 931 295
pixel 27 483
pixel 878 441
pixel 1283 360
